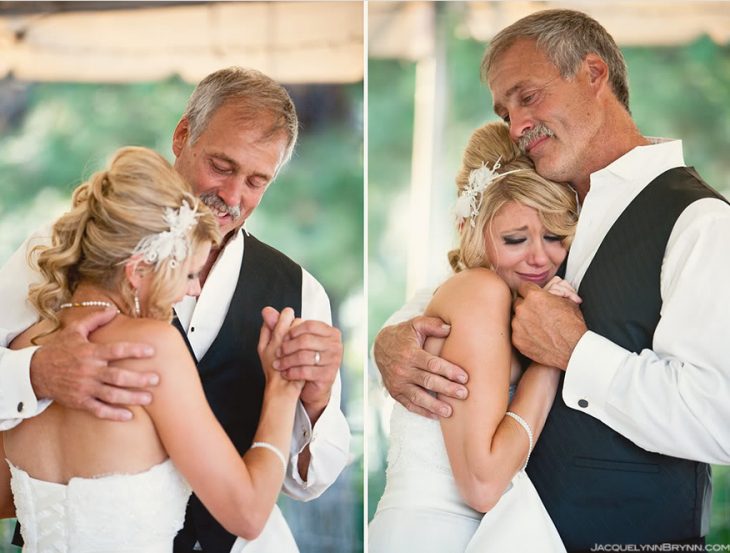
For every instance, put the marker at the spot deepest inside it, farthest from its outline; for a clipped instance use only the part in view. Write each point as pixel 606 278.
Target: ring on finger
pixel 317 358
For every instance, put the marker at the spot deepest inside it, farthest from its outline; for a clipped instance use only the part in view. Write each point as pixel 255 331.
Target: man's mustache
pixel 538 131
pixel 213 201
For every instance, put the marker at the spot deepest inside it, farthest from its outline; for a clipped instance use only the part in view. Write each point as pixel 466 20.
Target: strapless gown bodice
pixel 121 513
pixel 421 508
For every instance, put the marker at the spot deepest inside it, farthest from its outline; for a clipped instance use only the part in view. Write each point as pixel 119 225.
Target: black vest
pixel 231 372
pixel 598 486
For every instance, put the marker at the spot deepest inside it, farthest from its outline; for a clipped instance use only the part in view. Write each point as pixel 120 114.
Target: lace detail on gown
pixel 112 514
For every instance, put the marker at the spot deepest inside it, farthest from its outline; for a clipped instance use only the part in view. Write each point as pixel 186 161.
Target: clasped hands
pixel 82 375
pixel 546 326
pixel 312 352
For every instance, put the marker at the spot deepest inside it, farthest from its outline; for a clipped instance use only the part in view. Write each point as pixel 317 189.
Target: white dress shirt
pixel 671 399
pixel 328 440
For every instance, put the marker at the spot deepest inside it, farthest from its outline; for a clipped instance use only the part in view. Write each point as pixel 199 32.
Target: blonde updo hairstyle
pixel 110 214
pixel 554 202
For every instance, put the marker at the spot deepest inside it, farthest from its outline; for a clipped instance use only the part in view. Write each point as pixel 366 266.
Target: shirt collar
pixel 641 165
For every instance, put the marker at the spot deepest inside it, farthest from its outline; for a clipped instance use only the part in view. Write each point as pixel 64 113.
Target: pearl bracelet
pixel 523 423
pixel 274 449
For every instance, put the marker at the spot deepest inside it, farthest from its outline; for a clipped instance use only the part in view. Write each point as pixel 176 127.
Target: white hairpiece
pixel 173 243
pixel 470 199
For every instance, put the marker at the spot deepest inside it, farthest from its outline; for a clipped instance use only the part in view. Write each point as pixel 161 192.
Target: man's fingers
pixel 525 288
pixel 89 323
pixel 431 326
pixel 308 373
pixel 123 350
pixel 418 410
pixel 316 328
pixel 310 343
pixel 441 385
pixel 413 396
pixel 103 411
pixel 436 365
pixel 112 395
pixel 127 378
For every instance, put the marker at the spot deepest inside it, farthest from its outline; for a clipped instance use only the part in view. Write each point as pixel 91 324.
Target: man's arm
pixel 408 371
pixel 671 399
pixel 321 439
pixel 68 368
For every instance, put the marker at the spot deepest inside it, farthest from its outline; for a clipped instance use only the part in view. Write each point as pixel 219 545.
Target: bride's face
pixel 193 265
pixel 520 248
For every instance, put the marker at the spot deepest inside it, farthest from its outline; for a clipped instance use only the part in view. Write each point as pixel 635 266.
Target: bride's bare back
pixel 61 442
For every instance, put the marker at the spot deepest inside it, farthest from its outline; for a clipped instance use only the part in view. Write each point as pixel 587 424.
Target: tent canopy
pixel 293 42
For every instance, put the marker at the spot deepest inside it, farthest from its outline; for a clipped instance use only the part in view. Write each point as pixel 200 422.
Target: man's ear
pixel 598 72
pixel 180 136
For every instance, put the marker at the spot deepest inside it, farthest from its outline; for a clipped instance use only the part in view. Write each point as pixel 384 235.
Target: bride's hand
pixel 273 330
pixel 561 287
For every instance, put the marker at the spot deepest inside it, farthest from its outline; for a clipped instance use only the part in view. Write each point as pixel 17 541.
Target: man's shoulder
pixel 260 248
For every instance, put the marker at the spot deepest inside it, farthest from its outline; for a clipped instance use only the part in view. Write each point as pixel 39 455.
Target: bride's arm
pixel 486 448
pixel 239 492
pixel 7 507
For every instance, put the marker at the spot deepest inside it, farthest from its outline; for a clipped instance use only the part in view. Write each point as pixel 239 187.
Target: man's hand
pixel 545 326
pixel 76 373
pixel 409 372
pixel 311 351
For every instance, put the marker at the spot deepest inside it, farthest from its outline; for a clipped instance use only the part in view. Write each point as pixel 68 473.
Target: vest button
pixel 20 407
pixel 582 403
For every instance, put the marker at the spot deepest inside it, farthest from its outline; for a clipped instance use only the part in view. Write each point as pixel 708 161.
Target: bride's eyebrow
pixel 520 229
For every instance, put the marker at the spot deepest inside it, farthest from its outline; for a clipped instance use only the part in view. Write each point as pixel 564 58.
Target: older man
pixel 642 405
pixel 238 130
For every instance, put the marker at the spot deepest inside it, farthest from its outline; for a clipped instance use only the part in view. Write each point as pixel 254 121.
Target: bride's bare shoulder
pixel 478 284
pixel 162 336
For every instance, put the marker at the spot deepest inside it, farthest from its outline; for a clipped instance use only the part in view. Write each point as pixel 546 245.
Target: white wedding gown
pixel 130 513
pixel 422 511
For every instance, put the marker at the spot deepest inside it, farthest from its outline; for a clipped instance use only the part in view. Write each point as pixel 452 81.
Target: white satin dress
pixel 130 513
pixel 422 511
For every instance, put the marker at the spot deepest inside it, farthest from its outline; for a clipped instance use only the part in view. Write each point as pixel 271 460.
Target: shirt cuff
pixel 328 442
pixel 590 372
pixel 17 399
pixel 301 439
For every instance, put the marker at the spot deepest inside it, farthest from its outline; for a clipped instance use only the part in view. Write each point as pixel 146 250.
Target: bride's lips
pixel 537 277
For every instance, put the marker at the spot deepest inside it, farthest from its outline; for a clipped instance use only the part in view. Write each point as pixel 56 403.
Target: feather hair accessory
pixel 174 242
pixel 470 198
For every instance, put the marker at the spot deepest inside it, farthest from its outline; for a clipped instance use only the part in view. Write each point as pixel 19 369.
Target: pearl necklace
pixel 90 303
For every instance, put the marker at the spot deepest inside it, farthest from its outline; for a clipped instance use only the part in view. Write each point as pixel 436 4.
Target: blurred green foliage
pixel 680 91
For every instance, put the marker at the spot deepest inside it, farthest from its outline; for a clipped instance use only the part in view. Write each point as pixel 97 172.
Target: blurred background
pixel 425 97
pixel 80 79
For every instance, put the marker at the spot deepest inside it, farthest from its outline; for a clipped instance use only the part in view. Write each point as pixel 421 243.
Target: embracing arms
pixel 485 447
pixel 68 368
pixel 670 399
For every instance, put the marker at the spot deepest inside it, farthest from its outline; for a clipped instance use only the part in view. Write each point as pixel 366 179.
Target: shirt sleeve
pixel 17 399
pixel 329 439
pixel 672 399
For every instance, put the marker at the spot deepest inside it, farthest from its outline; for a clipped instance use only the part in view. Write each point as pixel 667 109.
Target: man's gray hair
pixel 257 95
pixel 566 37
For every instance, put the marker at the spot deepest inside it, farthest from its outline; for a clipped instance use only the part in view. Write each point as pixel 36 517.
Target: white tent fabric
pixel 293 42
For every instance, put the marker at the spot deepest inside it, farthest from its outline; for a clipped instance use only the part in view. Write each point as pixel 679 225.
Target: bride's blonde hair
pixel 554 202
pixel 110 214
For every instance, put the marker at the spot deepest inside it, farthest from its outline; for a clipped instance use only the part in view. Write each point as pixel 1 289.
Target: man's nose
pixel 519 123
pixel 231 191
